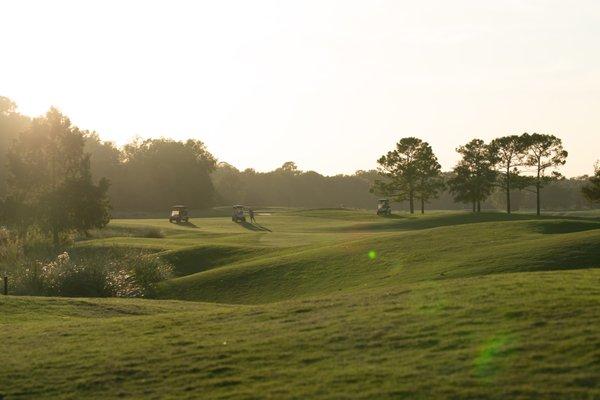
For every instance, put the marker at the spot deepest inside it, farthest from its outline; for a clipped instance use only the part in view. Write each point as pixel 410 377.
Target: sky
pixel 330 85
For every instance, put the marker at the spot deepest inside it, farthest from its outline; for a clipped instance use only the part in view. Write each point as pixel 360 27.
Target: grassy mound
pixel 327 304
pixel 519 335
pixel 399 257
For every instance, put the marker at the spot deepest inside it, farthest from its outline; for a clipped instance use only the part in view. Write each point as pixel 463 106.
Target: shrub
pixel 91 272
pixel 148 270
pixel 11 250
pixel 102 273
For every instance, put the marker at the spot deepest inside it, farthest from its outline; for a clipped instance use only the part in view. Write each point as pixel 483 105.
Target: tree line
pixel 526 162
pixel 288 186
pixel 48 181
pixel 58 178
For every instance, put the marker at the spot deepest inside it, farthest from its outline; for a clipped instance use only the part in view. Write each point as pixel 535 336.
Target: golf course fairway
pixel 327 304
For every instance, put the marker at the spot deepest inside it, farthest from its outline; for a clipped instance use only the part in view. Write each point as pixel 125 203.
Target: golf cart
pixel 383 207
pixel 238 214
pixel 179 214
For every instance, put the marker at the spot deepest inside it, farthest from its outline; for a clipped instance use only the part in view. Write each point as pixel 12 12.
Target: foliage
pixel 543 152
pixel 288 186
pixel 50 182
pixel 592 190
pixel 11 249
pixel 147 177
pixel 120 274
pixel 229 184
pixel 12 123
pixel 474 175
pixel 158 173
pixel 508 154
pixel 430 181
pixel 410 170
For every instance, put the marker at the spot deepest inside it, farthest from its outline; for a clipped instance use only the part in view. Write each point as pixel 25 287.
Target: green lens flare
pixel 372 254
pixel 488 360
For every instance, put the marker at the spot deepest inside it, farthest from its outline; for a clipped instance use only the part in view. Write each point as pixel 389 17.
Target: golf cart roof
pixel 383 200
pixel 179 207
pixel 239 206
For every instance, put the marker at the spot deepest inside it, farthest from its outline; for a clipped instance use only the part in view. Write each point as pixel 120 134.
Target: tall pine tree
pixel 474 175
pixel 410 171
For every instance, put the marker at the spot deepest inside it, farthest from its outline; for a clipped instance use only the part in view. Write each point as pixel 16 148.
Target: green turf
pixel 328 304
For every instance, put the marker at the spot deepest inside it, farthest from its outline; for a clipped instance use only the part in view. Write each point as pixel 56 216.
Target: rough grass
pixel 329 304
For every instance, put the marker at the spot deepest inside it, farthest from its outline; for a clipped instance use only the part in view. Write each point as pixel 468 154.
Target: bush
pixel 34 269
pixel 148 270
pixel 96 273
pixel 11 250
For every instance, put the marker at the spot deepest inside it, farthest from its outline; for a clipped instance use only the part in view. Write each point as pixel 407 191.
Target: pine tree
pixel 410 171
pixel 474 175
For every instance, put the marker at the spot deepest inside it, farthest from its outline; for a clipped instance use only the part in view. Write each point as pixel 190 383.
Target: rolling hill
pixel 328 304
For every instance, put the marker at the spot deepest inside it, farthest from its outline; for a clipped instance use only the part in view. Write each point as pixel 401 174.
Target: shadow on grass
pixel 254 227
pixel 427 221
pixel 187 224
pixel 566 226
pixel 393 216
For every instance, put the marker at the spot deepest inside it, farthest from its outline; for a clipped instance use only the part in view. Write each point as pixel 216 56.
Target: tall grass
pixel 34 268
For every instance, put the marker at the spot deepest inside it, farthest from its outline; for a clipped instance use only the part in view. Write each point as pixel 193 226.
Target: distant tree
pixel 105 157
pixel 50 181
pixel 429 189
pixel 543 153
pixel 11 125
pixel 228 184
pixel 158 173
pixel 7 106
pixel 408 170
pixel 507 154
pixel 592 190
pixel 474 174
pixel 289 167
pixel 430 182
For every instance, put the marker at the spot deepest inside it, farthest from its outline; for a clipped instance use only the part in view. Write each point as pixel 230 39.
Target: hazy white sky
pixel 331 85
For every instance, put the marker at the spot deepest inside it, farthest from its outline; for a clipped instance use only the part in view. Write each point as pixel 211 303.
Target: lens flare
pixel 488 362
pixel 372 254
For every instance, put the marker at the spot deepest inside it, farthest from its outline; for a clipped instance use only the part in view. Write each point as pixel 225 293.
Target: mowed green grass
pixel 329 304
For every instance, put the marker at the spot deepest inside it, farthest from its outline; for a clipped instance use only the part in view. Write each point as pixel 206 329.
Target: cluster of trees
pixel 57 177
pixel 290 187
pixel 154 174
pixel 510 162
pixel 526 163
pixel 591 191
pixel 49 182
pixel 410 171
pixel 11 124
